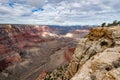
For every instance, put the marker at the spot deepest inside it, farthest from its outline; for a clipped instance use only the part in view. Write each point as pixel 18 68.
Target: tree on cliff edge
pixel 103 24
pixel 114 23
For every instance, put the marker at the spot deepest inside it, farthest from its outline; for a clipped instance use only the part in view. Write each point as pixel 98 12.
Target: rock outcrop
pixel 97 57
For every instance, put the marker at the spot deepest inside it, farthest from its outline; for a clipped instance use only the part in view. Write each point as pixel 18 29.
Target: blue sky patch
pixel 11 5
pixel 37 10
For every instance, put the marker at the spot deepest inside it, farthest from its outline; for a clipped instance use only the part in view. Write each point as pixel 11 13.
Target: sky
pixel 59 12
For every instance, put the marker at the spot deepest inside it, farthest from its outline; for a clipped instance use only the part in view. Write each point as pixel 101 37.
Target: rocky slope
pixel 97 57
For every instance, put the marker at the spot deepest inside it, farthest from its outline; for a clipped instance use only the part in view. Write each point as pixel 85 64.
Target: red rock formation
pixel 3 48
pixel 9 60
pixel 13 59
pixel 14 37
pixel 3 65
pixel 42 75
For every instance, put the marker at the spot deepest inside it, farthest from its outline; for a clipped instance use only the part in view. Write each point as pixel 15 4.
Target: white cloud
pixel 59 19
pixel 59 11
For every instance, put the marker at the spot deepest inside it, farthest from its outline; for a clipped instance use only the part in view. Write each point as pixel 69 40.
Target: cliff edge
pixel 97 57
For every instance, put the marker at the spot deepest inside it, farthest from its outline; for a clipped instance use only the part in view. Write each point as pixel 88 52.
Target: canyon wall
pixel 28 50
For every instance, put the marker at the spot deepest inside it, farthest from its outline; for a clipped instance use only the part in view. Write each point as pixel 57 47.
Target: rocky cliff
pixel 97 57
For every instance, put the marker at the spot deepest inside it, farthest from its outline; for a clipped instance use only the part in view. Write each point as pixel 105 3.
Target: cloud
pixel 36 3
pixel 62 12
pixel 58 19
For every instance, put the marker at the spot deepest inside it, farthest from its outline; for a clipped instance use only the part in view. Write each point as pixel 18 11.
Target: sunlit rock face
pixel 46 31
pixel 69 35
pixel 28 50
pixel 77 34
pixel 97 57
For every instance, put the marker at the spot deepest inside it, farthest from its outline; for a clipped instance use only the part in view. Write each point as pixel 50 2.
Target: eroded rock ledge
pixel 97 57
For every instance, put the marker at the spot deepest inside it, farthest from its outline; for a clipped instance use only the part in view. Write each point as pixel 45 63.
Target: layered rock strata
pixel 28 50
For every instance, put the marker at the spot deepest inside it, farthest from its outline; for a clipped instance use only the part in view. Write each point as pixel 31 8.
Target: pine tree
pixel 103 24
pixel 114 23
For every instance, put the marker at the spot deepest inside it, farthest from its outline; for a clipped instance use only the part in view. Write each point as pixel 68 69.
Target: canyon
pixel 26 51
